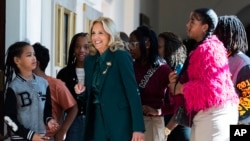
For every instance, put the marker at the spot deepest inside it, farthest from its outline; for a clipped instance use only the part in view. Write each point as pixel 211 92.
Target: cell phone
pixel 178 68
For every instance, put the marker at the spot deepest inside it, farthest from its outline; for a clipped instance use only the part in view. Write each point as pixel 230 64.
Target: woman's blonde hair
pixel 115 41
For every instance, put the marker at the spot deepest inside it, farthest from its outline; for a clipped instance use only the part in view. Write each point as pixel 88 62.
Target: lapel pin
pixel 108 65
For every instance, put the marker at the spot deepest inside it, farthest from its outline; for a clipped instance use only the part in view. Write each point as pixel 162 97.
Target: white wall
pixel 151 9
pixel 79 17
pixel 15 21
pixel 125 13
pixel 131 15
pixel 47 31
pixel 174 14
pixel 33 20
pixel 26 21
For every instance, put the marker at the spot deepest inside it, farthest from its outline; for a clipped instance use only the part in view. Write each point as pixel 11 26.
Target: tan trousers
pixel 154 128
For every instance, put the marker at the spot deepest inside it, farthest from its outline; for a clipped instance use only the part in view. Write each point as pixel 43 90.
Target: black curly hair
pixel 42 55
pixel 174 49
pixel 232 33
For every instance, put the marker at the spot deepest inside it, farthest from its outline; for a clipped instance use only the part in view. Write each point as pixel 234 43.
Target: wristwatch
pixel 159 112
pixel 167 131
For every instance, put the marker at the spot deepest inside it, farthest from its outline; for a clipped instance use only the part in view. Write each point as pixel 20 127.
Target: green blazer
pixel 119 96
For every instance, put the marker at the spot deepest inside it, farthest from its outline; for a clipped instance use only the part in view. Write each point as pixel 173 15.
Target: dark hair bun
pixel 210 17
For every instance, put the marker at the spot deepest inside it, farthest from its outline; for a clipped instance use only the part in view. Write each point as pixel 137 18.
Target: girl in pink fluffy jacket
pixel 209 91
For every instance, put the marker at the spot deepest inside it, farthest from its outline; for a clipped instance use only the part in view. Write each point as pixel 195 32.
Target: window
pixel 65 29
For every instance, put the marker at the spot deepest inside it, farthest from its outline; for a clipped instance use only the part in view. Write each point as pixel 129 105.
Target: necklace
pixel 30 84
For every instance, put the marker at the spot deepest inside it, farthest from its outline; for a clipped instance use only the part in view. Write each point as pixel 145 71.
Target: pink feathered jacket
pixel 209 79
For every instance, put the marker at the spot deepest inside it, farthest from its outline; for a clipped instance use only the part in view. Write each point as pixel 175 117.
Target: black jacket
pixel 68 75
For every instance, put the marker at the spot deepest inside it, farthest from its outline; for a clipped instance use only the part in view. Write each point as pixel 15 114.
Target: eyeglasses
pixel 126 45
pixel 132 45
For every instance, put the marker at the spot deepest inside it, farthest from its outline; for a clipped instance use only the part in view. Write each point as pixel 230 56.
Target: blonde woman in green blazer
pixel 114 111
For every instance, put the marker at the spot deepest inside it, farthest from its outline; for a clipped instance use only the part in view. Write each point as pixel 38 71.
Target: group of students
pixel 34 99
pixel 111 91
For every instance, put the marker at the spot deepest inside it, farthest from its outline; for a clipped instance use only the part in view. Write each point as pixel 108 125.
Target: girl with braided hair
pixel 73 74
pixel 27 107
pixel 151 72
pixel 208 90
pixel 232 33
pixel 172 49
